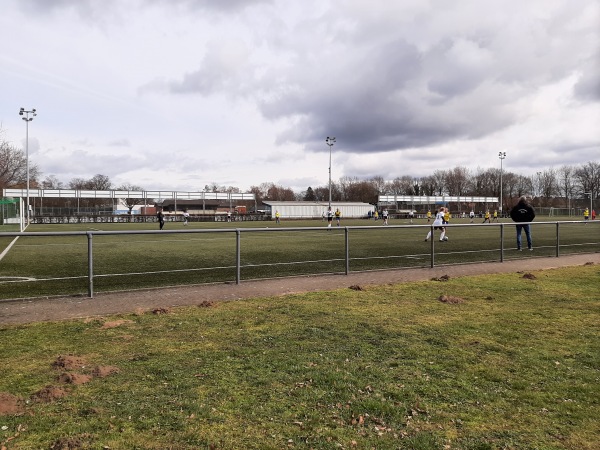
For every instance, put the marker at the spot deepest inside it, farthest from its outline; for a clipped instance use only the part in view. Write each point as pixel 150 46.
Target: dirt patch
pixel 205 304
pixel 104 371
pixel 529 276
pixel 356 287
pixel 72 442
pixel 10 404
pixel 160 311
pixel 450 299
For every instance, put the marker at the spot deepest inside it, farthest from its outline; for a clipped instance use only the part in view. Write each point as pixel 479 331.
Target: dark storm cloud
pixel 389 97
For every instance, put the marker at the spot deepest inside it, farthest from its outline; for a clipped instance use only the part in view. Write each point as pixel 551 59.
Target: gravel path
pixel 61 308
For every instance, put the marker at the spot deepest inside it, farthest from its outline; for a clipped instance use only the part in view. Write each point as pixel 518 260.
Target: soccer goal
pixel 11 214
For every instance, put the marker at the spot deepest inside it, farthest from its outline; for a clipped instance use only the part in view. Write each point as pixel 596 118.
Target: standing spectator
pixel 161 219
pixel 338 216
pixel 437 225
pixel 523 213
pixel 186 217
pixel 593 214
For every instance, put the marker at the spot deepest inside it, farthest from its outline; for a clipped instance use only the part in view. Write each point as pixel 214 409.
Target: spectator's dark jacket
pixel 522 212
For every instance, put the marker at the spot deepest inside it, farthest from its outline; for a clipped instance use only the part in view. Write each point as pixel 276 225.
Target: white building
pixel 313 210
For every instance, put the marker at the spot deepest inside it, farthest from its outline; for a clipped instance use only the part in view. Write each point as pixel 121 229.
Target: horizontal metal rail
pixel 238 232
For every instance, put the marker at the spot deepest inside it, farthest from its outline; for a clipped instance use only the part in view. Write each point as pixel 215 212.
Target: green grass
pixel 515 365
pixel 58 265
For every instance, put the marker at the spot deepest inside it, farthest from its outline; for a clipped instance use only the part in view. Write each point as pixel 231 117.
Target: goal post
pixel 11 214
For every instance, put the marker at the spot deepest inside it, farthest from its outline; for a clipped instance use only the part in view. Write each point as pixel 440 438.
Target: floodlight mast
pixel 330 141
pixel 591 200
pixel 27 119
pixel 501 155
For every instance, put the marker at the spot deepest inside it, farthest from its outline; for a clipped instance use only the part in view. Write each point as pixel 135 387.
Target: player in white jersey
pixel 437 225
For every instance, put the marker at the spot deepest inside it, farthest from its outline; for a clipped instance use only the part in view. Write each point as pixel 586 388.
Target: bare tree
pixel 401 186
pixel 13 168
pixel 566 183
pixel 52 182
pixel 548 186
pixel 457 181
pixel 588 179
pixel 130 202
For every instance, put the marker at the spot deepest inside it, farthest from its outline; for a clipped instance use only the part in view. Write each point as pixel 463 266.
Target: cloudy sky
pixel 177 94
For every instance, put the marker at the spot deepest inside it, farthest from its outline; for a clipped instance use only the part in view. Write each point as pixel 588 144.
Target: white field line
pixel 6 250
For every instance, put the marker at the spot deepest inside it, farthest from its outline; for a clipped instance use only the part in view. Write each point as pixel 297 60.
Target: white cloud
pixel 181 93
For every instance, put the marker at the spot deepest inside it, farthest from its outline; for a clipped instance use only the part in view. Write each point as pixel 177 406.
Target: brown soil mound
pixel 442 278
pixel 69 362
pixel 529 276
pixel 104 371
pixel 48 394
pixel 10 404
pixel 450 299
pixel 74 378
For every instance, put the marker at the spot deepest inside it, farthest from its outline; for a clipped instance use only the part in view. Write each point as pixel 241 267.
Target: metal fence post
pixel 501 242
pixel 90 265
pixel 238 258
pixel 347 245
pixel 557 241
pixel 432 246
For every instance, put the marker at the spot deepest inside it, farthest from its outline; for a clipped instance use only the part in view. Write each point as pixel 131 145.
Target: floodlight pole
pixel 27 119
pixel 501 155
pixel 330 141
pixel 591 201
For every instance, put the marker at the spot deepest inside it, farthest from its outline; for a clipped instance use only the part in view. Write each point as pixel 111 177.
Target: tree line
pixel 550 187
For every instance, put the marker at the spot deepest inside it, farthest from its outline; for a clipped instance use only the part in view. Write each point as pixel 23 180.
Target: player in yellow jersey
pixel 447 215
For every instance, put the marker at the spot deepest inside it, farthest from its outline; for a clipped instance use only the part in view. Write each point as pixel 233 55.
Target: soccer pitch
pixel 207 252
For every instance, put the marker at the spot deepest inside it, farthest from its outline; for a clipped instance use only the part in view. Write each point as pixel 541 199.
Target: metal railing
pixel 553 239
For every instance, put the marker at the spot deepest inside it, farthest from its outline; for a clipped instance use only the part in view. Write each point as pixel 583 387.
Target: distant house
pixel 311 210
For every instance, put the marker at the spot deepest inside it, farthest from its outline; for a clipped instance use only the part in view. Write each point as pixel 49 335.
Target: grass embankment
pixel 506 363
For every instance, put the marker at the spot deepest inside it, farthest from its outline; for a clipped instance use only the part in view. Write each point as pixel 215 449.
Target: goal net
pixel 11 214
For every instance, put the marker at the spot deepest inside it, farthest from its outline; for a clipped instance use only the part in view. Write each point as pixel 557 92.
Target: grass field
pixel 58 265
pixel 509 362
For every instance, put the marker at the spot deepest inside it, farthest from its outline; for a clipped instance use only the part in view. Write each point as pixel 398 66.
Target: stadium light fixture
pixel 27 119
pixel 330 141
pixel 501 155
